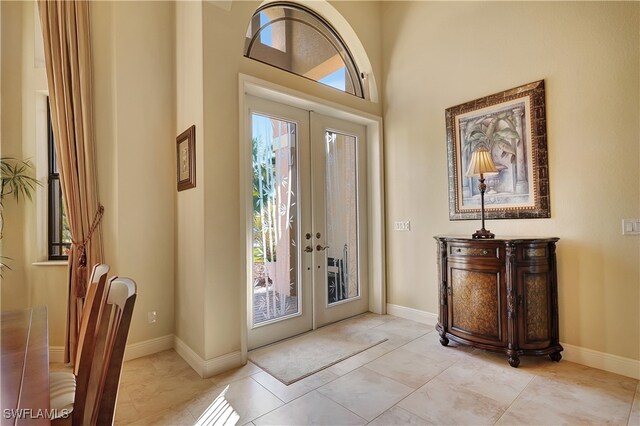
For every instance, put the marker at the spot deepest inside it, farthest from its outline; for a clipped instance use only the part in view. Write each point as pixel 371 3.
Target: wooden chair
pixel 95 404
pixel 63 384
pixel 111 341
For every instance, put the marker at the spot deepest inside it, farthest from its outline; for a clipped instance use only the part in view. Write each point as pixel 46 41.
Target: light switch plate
pixel 403 226
pixel 630 226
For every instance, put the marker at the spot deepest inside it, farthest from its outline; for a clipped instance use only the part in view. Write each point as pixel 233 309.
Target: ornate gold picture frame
pixel 512 126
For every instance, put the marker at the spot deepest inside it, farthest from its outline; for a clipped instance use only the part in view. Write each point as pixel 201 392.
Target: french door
pixel 308 221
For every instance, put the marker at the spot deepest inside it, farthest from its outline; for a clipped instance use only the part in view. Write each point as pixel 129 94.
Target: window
pixel 296 39
pixel 59 233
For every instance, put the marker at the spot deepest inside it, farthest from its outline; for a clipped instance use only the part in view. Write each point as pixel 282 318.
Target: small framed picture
pixel 186 156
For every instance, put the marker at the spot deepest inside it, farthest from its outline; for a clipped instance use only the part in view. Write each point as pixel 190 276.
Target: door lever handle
pixel 321 248
pixel 308 249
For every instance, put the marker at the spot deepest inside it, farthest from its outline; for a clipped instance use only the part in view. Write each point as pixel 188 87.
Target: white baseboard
pixel 56 354
pixel 210 367
pixel 148 347
pixel 416 315
pixel 205 368
pixel 600 360
pixel 133 351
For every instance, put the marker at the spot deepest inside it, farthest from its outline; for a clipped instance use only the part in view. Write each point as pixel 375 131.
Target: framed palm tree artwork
pixel 511 125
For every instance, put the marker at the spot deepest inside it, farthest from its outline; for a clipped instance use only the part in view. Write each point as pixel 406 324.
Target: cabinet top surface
pixel 462 238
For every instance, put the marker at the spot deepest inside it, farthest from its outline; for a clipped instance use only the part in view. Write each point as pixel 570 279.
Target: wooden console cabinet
pixel 500 295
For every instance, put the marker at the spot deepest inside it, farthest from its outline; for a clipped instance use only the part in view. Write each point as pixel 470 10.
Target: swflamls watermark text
pixel 34 413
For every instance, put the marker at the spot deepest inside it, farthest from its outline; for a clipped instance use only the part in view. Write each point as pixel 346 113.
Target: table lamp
pixel 481 164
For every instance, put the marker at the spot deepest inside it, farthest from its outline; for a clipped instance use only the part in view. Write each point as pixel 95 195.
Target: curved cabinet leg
pixel 443 340
pixel 555 356
pixel 514 361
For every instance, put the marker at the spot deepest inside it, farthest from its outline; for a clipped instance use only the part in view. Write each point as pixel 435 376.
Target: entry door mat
pixel 299 357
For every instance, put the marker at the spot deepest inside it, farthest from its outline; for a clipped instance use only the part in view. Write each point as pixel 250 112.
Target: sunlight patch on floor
pixel 219 413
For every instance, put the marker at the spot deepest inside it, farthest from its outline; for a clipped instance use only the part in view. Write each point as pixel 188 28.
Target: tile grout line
pixel 270 411
pixel 516 398
pixel 415 390
pixel 300 396
pixel 364 366
pixel 424 384
pixel 347 408
pixel 267 389
pixel 635 395
pixel 400 408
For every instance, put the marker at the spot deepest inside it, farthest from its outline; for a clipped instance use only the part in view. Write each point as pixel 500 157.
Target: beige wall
pixel 190 213
pixel 133 50
pixel 437 55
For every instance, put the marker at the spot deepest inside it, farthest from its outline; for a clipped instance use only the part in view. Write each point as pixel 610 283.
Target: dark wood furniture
pixel 69 389
pixel 105 326
pixel 24 360
pixel 111 342
pixel 500 295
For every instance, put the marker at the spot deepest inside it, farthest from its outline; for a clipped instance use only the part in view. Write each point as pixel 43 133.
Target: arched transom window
pixel 296 39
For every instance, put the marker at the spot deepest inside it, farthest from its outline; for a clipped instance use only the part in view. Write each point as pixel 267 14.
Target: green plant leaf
pixel 16 179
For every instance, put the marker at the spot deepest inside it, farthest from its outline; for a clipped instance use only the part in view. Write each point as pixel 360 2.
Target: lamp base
pixel 483 234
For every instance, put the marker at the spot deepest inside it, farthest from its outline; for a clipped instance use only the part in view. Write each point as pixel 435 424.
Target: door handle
pixel 321 248
pixel 308 249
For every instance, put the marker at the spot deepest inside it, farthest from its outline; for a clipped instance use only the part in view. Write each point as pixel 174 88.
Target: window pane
pixel 66 231
pixel 337 79
pixel 59 232
pixel 297 40
pixel 276 288
pixel 341 170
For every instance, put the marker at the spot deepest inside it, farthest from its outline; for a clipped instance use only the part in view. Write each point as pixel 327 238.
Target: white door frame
pixel 248 85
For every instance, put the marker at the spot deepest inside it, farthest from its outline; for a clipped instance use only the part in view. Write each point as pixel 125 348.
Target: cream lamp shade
pixel 481 163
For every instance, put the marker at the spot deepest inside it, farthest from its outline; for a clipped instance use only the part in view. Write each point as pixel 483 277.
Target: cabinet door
pixel 534 307
pixel 477 302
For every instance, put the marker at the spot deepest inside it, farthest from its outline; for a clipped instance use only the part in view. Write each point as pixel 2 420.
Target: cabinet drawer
pixel 533 252
pixel 491 252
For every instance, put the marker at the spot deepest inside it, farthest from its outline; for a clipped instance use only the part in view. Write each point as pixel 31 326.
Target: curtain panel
pixel 67 44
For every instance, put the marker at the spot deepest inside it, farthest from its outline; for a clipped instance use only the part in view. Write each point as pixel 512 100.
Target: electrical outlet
pixel 151 317
pixel 630 226
pixel 403 226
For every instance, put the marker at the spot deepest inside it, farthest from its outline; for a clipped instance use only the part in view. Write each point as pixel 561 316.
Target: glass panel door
pixel 280 276
pixel 306 245
pixel 339 219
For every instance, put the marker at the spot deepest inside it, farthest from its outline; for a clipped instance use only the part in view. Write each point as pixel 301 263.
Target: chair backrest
pixel 94 302
pixel 95 297
pixel 111 340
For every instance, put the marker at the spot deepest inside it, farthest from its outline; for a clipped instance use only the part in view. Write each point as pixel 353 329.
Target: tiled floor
pixel 409 379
